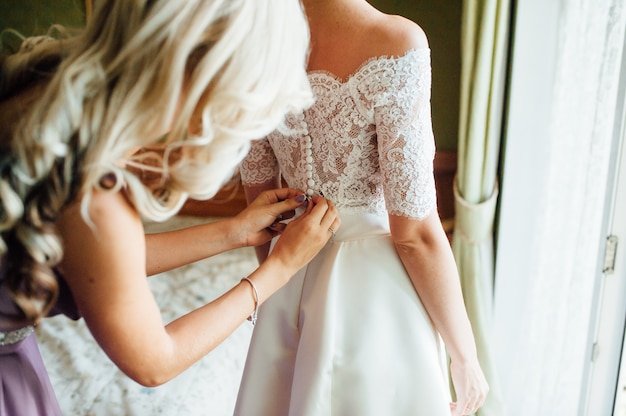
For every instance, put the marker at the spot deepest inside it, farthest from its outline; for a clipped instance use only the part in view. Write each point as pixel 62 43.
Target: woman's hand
pixel 306 235
pixel 260 221
pixel 470 386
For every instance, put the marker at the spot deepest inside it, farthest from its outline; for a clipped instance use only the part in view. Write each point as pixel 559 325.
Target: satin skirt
pixel 347 335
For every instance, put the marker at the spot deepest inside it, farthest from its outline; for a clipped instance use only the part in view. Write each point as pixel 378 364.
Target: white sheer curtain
pixel 561 115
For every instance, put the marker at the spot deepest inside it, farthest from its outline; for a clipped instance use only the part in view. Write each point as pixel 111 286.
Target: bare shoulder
pixel 110 241
pixel 109 212
pixel 398 34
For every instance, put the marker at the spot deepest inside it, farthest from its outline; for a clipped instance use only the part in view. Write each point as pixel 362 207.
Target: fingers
pixel 280 201
pixel 269 208
pixel 278 227
pixel 319 212
pixel 329 219
pixel 470 400
pixel 302 238
pixel 285 210
pixel 281 194
pixel 463 409
pixel 467 405
pixel 322 209
pixel 334 226
pixel 456 410
pixel 283 202
pixel 291 203
pixel 470 385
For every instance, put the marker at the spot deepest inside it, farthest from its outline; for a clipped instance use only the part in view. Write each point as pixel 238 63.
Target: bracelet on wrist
pixel 253 316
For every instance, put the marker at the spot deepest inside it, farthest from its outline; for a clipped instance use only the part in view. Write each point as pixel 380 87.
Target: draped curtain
pixel 484 48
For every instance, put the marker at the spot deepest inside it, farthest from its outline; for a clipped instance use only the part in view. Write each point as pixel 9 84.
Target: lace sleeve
pixel 260 165
pixel 406 144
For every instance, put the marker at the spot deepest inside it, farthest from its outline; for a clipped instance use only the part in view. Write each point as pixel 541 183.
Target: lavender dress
pixel 25 387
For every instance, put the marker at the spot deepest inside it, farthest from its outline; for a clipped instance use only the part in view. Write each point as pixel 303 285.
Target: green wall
pixel 441 20
pixel 34 17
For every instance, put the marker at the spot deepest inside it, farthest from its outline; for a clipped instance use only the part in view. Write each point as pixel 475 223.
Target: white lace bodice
pixel 371 140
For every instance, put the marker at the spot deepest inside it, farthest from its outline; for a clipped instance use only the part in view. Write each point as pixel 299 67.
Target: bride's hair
pixel 188 83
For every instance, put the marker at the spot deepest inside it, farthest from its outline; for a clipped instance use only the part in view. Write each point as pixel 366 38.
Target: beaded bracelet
pixel 253 315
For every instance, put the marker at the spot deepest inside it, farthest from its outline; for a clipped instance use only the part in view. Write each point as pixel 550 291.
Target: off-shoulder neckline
pixel 344 80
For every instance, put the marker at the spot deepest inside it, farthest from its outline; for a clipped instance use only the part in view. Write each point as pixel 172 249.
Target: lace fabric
pixel 371 136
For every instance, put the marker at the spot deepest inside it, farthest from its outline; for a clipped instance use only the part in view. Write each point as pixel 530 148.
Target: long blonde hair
pixel 196 80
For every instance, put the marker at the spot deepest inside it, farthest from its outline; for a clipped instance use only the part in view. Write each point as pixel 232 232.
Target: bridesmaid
pixel 174 79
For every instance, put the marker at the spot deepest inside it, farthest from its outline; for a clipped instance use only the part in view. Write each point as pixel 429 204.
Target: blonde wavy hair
pixel 190 83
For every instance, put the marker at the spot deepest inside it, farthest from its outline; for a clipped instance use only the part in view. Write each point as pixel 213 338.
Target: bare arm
pixel 172 249
pixel 252 192
pixel 426 254
pixel 106 271
pixel 251 227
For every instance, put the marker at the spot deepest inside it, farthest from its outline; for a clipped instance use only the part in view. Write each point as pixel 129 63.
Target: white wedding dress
pixel 348 334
